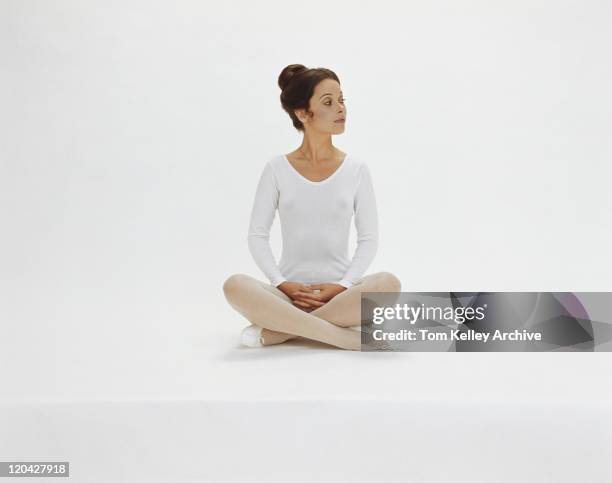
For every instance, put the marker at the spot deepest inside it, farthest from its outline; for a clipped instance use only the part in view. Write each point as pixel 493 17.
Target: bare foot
pixel 272 337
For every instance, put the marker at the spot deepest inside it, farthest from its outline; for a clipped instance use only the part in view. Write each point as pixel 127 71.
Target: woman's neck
pixel 316 151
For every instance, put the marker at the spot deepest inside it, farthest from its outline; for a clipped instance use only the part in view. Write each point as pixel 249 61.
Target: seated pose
pixel 315 290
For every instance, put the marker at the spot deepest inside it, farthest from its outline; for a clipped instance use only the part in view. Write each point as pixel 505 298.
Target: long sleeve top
pixel 315 219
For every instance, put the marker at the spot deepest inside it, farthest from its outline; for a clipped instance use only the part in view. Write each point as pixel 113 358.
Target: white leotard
pixel 315 219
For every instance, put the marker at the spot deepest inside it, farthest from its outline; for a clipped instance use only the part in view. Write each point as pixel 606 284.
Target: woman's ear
pixel 302 115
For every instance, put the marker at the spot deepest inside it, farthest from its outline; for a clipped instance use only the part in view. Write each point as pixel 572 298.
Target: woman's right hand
pixel 301 295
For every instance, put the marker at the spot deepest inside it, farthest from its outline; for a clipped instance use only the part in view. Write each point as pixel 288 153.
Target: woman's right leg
pixel 273 337
pixel 250 298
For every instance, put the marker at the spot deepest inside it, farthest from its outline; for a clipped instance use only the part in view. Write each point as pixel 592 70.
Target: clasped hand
pixel 310 297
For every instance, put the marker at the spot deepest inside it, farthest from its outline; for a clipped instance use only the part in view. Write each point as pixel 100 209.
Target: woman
pixel 315 290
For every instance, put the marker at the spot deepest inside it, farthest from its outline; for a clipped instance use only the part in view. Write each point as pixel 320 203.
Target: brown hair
pixel 297 84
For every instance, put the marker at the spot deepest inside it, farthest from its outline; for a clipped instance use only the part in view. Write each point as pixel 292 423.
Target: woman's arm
pixel 262 217
pixel 366 223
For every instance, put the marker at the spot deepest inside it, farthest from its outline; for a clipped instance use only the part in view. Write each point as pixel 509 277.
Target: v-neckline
pixel 338 169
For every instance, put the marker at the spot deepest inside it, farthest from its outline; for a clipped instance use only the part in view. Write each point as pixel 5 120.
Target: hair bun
pixel 288 72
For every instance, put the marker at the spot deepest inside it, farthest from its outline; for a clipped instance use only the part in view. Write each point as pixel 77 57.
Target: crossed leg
pixel 268 307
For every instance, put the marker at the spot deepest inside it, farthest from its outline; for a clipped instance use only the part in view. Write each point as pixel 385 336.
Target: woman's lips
pixel 340 120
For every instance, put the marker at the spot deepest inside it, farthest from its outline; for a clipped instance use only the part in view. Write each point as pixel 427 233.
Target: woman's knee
pixel 234 283
pixel 388 282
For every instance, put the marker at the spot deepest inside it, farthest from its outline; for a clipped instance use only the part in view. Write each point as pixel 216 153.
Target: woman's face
pixel 327 107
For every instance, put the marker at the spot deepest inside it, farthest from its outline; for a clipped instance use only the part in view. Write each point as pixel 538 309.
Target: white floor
pixel 193 405
pixel 308 440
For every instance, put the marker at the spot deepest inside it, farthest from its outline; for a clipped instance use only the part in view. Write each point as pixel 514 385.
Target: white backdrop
pixel 133 135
